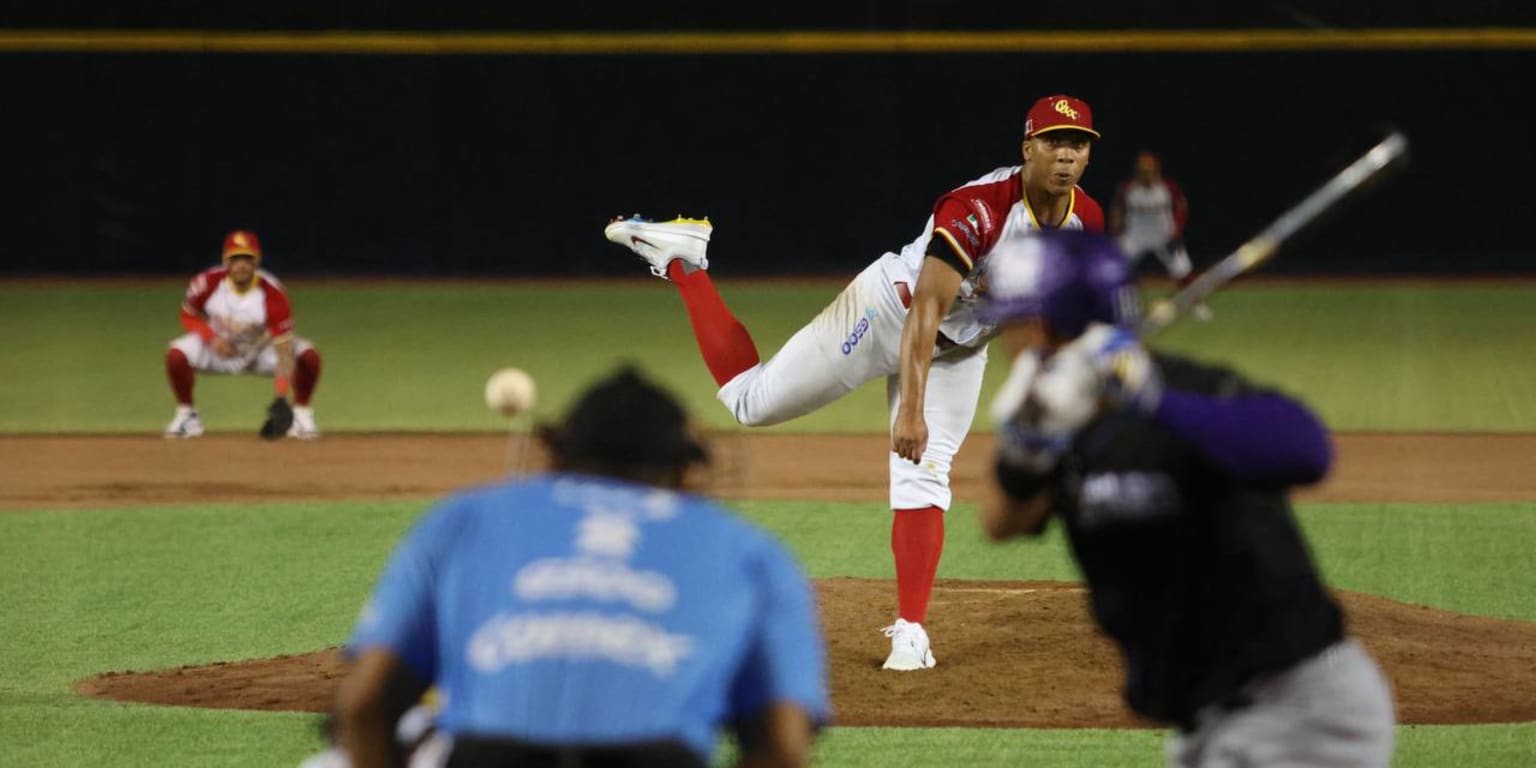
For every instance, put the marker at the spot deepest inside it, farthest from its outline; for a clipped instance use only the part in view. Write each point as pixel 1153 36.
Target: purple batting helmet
pixel 1067 278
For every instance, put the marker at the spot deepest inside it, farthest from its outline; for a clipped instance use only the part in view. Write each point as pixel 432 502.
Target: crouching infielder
pixel 238 321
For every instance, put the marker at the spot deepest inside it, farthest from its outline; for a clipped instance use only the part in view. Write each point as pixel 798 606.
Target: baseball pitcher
pixel 239 321
pixel 909 317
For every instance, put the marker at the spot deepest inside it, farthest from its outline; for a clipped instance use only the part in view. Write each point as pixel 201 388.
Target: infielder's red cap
pixel 1059 113
pixel 242 243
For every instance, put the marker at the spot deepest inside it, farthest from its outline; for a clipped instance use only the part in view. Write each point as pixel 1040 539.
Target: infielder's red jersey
pixel 214 307
pixel 974 218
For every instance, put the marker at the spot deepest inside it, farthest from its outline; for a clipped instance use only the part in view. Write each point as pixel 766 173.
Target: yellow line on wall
pixel 787 42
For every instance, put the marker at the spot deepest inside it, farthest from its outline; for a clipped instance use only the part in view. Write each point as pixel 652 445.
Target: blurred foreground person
pixel 594 616
pixel 1172 479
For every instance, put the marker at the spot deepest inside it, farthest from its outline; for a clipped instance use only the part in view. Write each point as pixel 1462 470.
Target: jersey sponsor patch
pixel 1109 498
pixel 606 537
pixel 507 639
pixel 984 214
pixel 966 228
pixel 857 334
pixel 557 578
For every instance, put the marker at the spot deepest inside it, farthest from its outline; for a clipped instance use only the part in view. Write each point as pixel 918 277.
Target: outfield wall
pixel 813 161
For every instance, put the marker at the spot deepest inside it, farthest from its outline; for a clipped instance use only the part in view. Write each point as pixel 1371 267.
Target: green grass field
pixel 156 587
pixel 95 590
pixel 416 358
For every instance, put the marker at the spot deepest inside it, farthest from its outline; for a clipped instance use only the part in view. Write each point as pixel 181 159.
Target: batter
pixel 1172 479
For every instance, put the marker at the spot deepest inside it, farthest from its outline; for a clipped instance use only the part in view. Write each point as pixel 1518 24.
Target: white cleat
pixel 909 647
pixel 186 423
pixel 662 242
pixel 303 426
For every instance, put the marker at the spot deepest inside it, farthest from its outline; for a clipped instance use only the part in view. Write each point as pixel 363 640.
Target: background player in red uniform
pixel 238 321
pixel 1148 216
pixel 909 317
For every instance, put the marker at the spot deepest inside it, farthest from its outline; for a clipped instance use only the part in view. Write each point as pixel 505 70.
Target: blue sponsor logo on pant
pixel 858 332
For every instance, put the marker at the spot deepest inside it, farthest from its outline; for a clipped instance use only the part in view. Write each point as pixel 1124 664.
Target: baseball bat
pixel 1262 246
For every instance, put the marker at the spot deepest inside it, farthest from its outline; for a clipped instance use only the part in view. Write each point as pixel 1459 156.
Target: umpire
pixel 594 616
pixel 1172 480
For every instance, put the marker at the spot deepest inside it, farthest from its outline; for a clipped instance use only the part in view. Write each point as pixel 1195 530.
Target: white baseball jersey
pixel 1152 214
pixel 240 317
pixel 857 337
pixel 974 218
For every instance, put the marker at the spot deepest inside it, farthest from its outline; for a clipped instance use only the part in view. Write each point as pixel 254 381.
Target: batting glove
pixel 1130 377
pixel 1042 405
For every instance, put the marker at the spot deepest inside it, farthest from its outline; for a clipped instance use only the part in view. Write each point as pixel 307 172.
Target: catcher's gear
pixel 279 419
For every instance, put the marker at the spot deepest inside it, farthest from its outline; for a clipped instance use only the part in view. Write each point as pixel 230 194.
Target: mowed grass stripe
pixel 404 357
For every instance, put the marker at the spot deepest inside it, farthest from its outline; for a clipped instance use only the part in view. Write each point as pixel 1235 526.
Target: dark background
pixel 783 14
pixel 137 163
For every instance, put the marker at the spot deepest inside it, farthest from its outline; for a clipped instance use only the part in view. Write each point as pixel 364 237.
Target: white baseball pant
pixel 855 339
pixel 1172 254
pixel 263 362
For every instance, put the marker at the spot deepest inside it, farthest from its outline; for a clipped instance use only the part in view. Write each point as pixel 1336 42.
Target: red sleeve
pixel 970 219
pixel 279 313
pixel 198 291
pixel 1088 210
pixel 1180 206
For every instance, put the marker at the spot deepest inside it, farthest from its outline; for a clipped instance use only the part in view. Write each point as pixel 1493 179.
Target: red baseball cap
pixel 241 243
pixel 1058 113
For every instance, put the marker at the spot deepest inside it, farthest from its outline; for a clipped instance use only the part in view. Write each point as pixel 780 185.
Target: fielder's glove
pixel 279 419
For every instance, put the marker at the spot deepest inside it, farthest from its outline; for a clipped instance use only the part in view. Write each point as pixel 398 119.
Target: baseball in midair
pixel 510 391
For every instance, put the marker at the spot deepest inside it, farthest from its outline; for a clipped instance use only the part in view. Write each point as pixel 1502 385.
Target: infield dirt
pixel 52 471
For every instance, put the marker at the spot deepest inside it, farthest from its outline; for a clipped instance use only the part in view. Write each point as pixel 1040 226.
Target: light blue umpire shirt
pixel 570 609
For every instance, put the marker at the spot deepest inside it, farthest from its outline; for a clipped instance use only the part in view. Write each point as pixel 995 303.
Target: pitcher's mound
pixel 1011 654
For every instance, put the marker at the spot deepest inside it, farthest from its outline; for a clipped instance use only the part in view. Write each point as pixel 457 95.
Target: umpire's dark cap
pixel 625 420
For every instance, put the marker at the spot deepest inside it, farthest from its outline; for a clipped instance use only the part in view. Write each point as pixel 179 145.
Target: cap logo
pixel 1065 108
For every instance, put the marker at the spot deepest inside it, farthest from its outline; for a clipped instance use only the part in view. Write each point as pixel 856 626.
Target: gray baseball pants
pixel 1329 711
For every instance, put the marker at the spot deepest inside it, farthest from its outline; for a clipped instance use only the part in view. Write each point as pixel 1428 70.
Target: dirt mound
pixel 1011 654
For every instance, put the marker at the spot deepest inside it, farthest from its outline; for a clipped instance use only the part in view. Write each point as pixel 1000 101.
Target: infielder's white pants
pixel 855 339
pixel 201 356
pixel 1174 257
pixel 1333 710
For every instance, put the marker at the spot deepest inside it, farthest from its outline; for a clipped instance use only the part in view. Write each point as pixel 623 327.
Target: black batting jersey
pixel 1203 582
